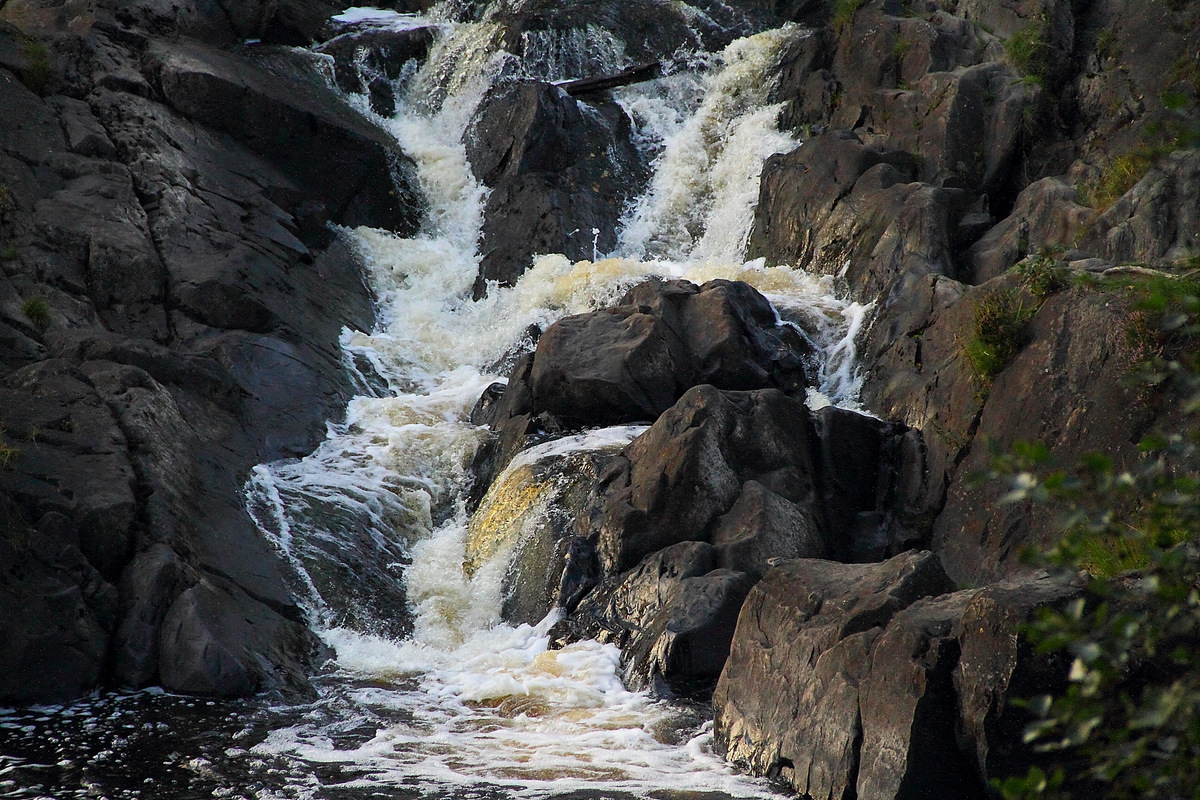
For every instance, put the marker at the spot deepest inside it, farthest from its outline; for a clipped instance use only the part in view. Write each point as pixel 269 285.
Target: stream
pixel 428 693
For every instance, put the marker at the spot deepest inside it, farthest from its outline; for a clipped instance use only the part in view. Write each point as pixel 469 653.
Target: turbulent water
pixel 429 694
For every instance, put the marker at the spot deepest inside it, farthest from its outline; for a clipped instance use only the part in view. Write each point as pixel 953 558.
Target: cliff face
pixel 172 302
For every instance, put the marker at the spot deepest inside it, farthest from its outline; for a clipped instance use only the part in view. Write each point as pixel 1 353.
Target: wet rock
pixel 56 611
pixel 367 54
pixel 527 519
pixel 559 169
pixel 212 644
pixel 675 480
pixel 873 484
pixel 632 362
pixel 672 615
pixel 149 584
pixel 839 207
pixel 793 698
pixel 685 644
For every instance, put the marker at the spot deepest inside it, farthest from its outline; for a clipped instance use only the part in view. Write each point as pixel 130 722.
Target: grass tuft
pixel 37 310
pixel 844 12
pixel 998 333
pixel 1029 52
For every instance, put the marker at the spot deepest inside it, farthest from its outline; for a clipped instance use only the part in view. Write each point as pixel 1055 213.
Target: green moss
pixel 844 12
pixel 37 74
pixel 1107 45
pixel 37 310
pixel 1117 176
pixel 7 451
pixel 998 333
pixel 8 252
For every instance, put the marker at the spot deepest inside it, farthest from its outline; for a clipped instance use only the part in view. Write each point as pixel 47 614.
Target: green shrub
pixel 998 333
pixel 1044 275
pixel 1127 727
pixel 7 451
pixel 37 310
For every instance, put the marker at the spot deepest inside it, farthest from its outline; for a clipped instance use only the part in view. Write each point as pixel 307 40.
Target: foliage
pixel 37 310
pixel 37 74
pixel 998 333
pixel 1128 725
pixel 1043 275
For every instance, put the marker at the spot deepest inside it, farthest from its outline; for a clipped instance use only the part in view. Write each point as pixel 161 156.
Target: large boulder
pixel 173 296
pixel 798 687
pixel 331 151
pixel 879 681
pixel 672 615
pixel 631 362
pixel 560 171
pixel 675 481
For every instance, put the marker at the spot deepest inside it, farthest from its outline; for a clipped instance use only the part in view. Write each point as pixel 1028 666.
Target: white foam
pixel 380 17
pixel 486 702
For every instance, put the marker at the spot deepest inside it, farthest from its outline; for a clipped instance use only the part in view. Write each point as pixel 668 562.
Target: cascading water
pixel 430 694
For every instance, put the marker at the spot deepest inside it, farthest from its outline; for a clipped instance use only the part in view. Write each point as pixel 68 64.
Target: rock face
pixel 867 680
pixel 560 172
pixel 171 298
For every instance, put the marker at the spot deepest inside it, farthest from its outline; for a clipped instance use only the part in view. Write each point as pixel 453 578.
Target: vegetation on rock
pixel 1129 722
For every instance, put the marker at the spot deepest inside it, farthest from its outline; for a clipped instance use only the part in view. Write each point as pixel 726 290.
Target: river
pixel 428 694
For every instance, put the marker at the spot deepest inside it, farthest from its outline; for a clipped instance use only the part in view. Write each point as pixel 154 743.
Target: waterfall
pixel 373 523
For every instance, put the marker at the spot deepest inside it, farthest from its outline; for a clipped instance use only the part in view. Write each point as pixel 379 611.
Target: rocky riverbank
pixel 175 279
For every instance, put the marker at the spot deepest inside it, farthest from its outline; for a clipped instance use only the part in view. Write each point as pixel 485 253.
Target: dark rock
pixel 632 362
pixel 148 586
pixel 366 54
pixel 212 643
pixel 763 525
pixel 56 611
pixel 1158 220
pixel 907 704
pixel 872 486
pixel 685 644
pixel 1066 389
pixel 1047 215
pixel 328 149
pixel 72 460
pixel 623 606
pixel 997 665
pixel 673 617
pixel 790 701
pixel 527 517
pixel 673 482
pixel 558 169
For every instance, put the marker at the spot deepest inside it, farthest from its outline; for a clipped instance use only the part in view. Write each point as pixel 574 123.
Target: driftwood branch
pixel 638 74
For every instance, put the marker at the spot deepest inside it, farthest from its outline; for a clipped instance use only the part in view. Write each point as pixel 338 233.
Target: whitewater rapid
pixel 464 700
